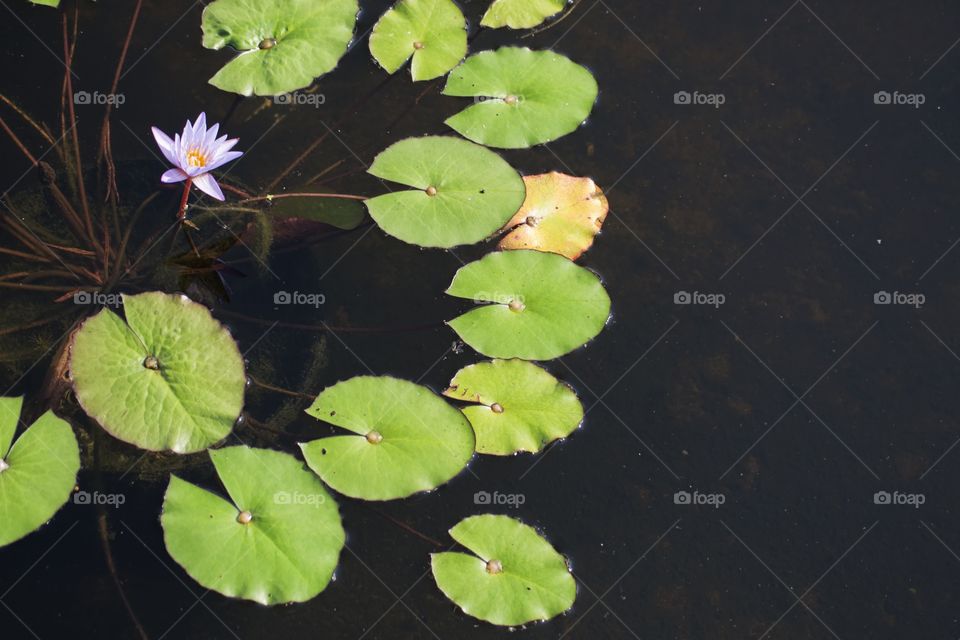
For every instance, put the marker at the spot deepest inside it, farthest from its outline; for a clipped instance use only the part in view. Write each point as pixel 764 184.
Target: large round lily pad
pixel 37 473
pixel 540 305
pixel 407 439
pixel 462 192
pixel 276 540
pixel 520 14
pixel 169 378
pixel 432 32
pixel 529 97
pixel 518 406
pixel 515 577
pixel 283 44
pixel 561 214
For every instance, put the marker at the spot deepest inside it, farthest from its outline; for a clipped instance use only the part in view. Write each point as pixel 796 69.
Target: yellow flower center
pixel 196 157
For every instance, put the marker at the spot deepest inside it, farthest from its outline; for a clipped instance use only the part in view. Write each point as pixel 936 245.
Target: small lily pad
pixel 515 577
pixel 407 439
pixel 519 406
pixel 47 3
pixel 340 213
pixel 539 306
pixel 520 14
pixel 169 378
pixel 284 44
pixel 37 473
pixel 529 97
pixel 276 540
pixel 432 32
pixel 462 193
pixel 561 214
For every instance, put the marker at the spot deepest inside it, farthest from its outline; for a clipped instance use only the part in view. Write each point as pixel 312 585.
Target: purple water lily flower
pixel 195 153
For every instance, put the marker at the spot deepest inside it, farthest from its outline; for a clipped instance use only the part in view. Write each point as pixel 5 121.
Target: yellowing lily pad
pixel 284 44
pixel 560 214
pixel 37 473
pixel 432 32
pixel 520 14
pixel 169 378
pixel 524 97
pixel 535 305
pixel 407 439
pixel 519 406
pixel 277 539
pixel 515 576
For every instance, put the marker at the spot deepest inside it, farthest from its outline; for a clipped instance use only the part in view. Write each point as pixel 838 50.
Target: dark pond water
pixel 793 403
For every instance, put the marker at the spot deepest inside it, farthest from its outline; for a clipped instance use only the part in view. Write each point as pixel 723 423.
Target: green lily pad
pixel 169 378
pixel 284 44
pixel 519 406
pixel 407 439
pixel 47 3
pixel 37 474
pixel 462 192
pixel 433 32
pixel 540 305
pixel 515 577
pixel 276 540
pixel 530 97
pixel 520 14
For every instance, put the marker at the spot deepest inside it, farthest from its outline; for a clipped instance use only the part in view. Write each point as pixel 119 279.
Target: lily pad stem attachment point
pixel 267 43
pixel 244 517
pixel 374 437
pixel 516 305
pixel 496 407
pixel 494 567
pixel 511 99
pixel 418 45
pixel 3 465
pixel 151 362
pixel 431 191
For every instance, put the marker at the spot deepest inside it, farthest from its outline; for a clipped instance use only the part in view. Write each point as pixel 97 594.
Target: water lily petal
pixel 199 128
pixel 209 186
pixel 173 175
pixel 223 159
pixel 166 145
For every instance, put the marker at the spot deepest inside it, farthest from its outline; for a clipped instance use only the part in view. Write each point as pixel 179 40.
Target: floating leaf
pixel 463 192
pixel 341 213
pixel 47 3
pixel 407 438
pixel 515 577
pixel 560 214
pixel 542 305
pixel 276 540
pixel 284 44
pixel 520 407
pixel 432 31
pixel 530 97
pixel 169 378
pixel 37 474
pixel 520 14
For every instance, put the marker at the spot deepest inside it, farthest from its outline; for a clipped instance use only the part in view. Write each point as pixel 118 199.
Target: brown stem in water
pixel 406 527
pixel 26 117
pixel 108 555
pixel 286 392
pixel 342 196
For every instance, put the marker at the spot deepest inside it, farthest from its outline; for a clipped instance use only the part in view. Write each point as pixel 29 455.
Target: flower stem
pixel 182 211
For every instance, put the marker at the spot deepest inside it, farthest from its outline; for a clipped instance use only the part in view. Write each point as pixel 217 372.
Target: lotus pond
pixel 477 318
